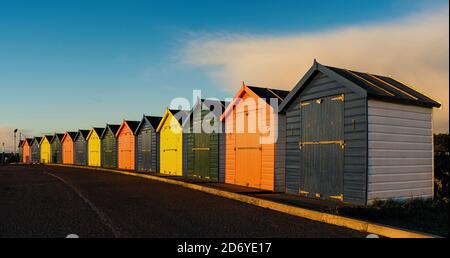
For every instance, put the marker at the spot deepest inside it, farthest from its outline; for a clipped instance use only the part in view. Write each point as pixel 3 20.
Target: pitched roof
pixel 48 137
pixel 37 139
pixel 263 93
pixel 153 120
pixel 20 143
pixel 58 136
pixel 131 124
pixel 373 86
pixel 267 93
pixel 97 130
pixel 208 103
pixel 112 128
pixel 29 140
pixel 180 115
pixel 72 134
pixel 82 133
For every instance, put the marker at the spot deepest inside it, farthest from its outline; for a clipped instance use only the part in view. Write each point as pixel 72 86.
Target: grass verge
pixel 426 216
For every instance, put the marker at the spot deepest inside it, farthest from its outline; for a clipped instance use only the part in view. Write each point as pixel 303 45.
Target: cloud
pixel 414 49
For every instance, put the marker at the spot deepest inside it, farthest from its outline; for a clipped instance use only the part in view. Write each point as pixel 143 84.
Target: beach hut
pixel 357 137
pixel 35 150
pixel 147 144
pixel 94 146
pixel 254 139
pixel 67 147
pixel 126 145
pixel 206 141
pixel 109 146
pixel 26 151
pixel 20 146
pixel 56 148
pixel 171 142
pixel 46 149
pixel 80 148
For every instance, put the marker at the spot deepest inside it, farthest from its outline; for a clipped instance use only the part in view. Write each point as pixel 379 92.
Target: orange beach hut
pixel 26 148
pixel 254 152
pixel 67 147
pixel 126 144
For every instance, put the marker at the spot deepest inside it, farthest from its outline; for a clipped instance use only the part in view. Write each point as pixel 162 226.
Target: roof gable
pixel 36 140
pixel 21 143
pixel 152 120
pixel 257 92
pixel 365 84
pixel 207 104
pixel 27 141
pixel 46 138
pixel 81 133
pixel 111 128
pixel 179 115
pixel 97 130
pixel 57 136
pixel 132 125
pixel 70 135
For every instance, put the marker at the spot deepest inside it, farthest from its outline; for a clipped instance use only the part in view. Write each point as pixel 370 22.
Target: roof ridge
pixel 276 95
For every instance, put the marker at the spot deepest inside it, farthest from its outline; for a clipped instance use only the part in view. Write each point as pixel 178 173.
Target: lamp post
pixel 15 132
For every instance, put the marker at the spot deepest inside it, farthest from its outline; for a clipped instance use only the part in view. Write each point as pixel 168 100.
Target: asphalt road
pixel 42 201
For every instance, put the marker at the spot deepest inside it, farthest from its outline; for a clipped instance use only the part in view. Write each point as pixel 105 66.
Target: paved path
pixel 41 201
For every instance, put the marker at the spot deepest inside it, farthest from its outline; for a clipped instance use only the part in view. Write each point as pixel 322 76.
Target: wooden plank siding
pixel 400 151
pixel 80 151
pixel 216 151
pixel 109 149
pixel 35 152
pixel 152 157
pixel 270 175
pixel 355 136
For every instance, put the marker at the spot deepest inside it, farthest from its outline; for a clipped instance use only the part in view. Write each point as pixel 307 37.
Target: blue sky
pixel 70 64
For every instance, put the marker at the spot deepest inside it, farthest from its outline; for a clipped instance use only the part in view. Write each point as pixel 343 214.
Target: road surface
pixel 48 201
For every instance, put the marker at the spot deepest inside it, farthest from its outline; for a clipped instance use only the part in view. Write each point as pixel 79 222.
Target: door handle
pixel 201 149
pixel 249 148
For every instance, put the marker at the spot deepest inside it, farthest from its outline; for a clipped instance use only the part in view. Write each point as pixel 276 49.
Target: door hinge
pixel 303 144
pixel 340 98
pixel 338 197
pixel 303 192
pixel 304 104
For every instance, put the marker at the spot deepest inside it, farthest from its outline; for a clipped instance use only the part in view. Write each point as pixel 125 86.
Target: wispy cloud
pixel 414 49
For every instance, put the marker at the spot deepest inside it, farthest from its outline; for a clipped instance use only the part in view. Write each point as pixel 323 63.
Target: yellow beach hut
pixel 94 147
pixel 45 149
pixel 171 142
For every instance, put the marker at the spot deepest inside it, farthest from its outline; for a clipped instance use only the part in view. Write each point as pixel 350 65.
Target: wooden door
pixel 322 147
pixel 248 156
pixel 201 151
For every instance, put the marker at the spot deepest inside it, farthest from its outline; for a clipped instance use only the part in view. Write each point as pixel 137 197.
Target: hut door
pixel 146 149
pixel 248 156
pixel 322 147
pixel 201 155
